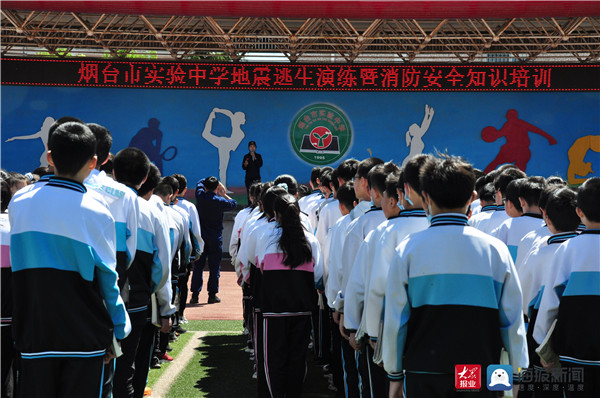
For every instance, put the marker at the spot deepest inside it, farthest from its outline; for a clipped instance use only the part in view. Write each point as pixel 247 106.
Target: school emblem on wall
pixel 321 134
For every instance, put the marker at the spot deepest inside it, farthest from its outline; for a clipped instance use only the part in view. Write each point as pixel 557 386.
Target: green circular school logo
pixel 321 134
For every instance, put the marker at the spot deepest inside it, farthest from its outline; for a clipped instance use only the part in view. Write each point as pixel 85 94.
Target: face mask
pixel 400 206
pixel 428 213
pixel 372 204
pixel 407 196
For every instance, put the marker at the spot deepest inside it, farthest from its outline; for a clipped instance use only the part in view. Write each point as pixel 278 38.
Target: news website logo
pixel 499 377
pixel 467 377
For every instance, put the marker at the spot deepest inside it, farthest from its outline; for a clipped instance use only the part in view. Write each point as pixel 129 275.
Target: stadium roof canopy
pixel 307 31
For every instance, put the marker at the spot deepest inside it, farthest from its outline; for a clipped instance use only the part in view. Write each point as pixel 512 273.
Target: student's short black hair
pixel 531 189
pixel 72 146
pixel 14 178
pixel 506 176
pixel 6 196
pixel 588 197
pixel 42 171
pixel 290 181
pixel 479 183
pixel 512 191
pixel 560 209
pixel 366 165
pixel 478 173
pixel 211 183
pixel 491 176
pixel 377 175
pixel 325 179
pixel 346 195
pixel 449 181
pixel 181 180
pixel 131 166
pixel 335 183
pixel 347 169
pixel 412 171
pixel 62 120
pixel 103 141
pixel 263 190
pixel 151 181
pixel 392 184
pixel 163 188
pixel 314 174
pixel 172 181
pixel 556 180
pixel 545 194
pixel 303 191
pixel 487 192
pixel 325 169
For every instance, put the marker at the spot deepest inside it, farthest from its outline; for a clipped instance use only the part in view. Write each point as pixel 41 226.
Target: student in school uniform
pixel 287 257
pixel 307 201
pixel 429 327
pixel 149 270
pixel 358 280
pixel 164 294
pixel 196 240
pixel 255 236
pixel 533 239
pixel 571 296
pixel 314 206
pixel 332 254
pixel 178 229
pixel 522 197
pixel 122 202
pixel 357 230
pixel 488 206
pixel 124 207
pixel 410 219
pixel 506 173
pixel 562 221
pixel 67 306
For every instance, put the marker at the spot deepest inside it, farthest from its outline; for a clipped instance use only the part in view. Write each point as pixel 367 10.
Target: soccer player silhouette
pixel 43 135
pixel 516 150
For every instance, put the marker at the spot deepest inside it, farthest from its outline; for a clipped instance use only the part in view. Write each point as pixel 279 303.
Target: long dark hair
pixel 293 243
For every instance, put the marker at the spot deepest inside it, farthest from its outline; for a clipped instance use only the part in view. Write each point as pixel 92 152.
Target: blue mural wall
pixel 379 122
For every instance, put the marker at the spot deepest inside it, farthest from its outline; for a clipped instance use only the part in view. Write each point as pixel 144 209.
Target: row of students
pixel 363 251
pixel 279 264
pixel 105 247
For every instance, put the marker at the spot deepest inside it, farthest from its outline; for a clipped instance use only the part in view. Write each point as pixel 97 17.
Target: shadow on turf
pixel 229 370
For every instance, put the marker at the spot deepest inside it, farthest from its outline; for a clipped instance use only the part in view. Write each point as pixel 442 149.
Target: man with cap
pixel 252 163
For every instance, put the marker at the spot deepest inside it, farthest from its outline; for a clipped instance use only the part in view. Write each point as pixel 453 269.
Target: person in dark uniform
pixel 211 201
pixel 252 163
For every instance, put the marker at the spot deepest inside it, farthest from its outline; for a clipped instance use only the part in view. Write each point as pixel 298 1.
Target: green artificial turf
pixel 177 346
pixel 215 325
pixel 221 368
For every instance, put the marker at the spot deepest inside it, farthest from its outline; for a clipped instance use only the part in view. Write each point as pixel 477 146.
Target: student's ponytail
pixel 293 243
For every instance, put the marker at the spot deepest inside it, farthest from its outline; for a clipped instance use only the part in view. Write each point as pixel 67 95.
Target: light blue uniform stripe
pixel 122 235
pixel 513 251
pixel 34 250
pixel 145 241
pixel 445 289
pixel 583 284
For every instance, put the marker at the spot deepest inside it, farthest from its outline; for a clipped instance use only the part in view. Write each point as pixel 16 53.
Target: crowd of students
pixel 393 275
pixel 96 255
pixel 416 270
